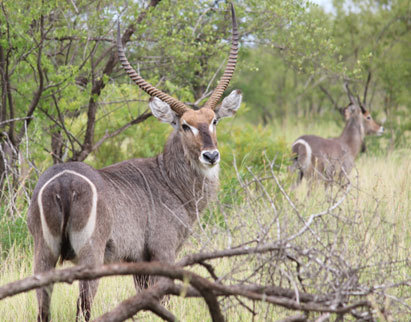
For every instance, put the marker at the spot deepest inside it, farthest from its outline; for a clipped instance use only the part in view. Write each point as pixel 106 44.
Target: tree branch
pixel 208 289
pixel 37 94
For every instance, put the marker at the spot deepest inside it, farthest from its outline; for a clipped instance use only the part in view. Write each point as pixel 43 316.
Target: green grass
pixel 13 232
pixel 373 225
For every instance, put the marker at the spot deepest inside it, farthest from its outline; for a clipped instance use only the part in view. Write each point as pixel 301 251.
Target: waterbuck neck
pixel 185 178
pixel 353 135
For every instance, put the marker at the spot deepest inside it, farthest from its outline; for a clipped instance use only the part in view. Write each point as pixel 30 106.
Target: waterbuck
pixel 317 157
pixel 136 210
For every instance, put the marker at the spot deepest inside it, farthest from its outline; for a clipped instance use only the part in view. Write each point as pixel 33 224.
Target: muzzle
pixel 210 157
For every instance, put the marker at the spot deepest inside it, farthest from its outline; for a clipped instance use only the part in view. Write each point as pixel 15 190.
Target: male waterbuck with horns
pixel 317 157
pixel 136 210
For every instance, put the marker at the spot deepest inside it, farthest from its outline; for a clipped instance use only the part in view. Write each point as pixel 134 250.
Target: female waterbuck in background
pixel 136 210
pixel 324 158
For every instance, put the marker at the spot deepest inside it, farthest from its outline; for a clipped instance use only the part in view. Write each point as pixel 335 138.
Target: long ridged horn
pixel 175 104
pixel 229 70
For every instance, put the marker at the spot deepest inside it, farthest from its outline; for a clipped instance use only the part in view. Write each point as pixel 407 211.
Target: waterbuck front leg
pixel 142 282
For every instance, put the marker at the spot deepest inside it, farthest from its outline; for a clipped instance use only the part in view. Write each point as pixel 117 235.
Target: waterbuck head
pixel 197 128
pixel 358 113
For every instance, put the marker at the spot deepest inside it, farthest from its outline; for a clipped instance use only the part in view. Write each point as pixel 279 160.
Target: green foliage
pixel 267 84
pixel 302 52
pixel 143 141
pixel 246 151
pixel 288 50
pixel 13 232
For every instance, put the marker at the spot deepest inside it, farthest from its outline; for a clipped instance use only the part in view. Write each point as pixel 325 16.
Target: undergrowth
pixel 383 175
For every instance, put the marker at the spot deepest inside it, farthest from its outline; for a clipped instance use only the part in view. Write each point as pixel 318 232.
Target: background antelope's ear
pixel 347 114
pixel 163 112
pixel 230 104
pixel 353 109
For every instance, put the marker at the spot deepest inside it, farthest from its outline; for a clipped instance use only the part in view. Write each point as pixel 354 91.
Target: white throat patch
pixel 211 173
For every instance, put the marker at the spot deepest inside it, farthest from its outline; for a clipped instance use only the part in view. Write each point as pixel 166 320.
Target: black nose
pixel 211 157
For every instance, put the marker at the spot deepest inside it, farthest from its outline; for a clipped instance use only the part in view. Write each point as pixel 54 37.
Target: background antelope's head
pixel 363 116
pixel 356 111
pixel 197 128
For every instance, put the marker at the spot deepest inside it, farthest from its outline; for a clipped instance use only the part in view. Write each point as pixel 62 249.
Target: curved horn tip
pixel 233 14
pixel 118 33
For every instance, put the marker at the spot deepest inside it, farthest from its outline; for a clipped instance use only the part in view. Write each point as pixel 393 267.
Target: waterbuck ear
pixel 230 104
pixel 163 112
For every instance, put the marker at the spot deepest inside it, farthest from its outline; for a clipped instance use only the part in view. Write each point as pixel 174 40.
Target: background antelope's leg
pixel 300 175
pixel 295 168
pixel 44 260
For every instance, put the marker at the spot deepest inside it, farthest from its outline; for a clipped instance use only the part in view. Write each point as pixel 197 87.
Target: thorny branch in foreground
pixel 199 287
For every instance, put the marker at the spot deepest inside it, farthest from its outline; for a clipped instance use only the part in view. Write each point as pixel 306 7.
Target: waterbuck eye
pixel 186 127
pixel 215 122
pixel 368 117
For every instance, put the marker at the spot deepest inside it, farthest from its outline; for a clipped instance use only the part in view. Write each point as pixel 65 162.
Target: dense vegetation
pixel 64 97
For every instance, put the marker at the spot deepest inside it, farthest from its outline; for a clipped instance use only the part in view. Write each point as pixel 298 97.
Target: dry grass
pixel 378 212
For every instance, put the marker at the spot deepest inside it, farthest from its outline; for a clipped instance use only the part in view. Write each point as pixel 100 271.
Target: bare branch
pixel 37 95
pixel 206 288
pixel 16 119
pixel 327 93
pixel 145 300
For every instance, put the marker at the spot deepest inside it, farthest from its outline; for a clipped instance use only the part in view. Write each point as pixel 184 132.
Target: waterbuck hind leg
pixel 89 256
pixel 296 183
pixel 43 299
pixel 88 290
pixel 44 260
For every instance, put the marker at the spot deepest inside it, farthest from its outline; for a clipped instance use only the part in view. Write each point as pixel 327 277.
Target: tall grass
pixel 373 225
